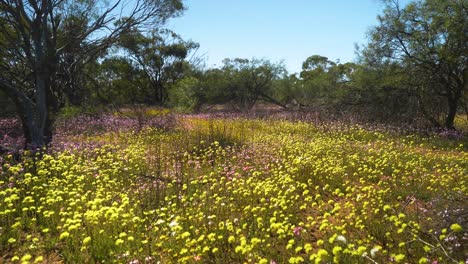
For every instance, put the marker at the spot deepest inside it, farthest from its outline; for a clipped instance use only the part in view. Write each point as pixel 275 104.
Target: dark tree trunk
pixel 33 114
pixel 26 132
pixel 452 112
pixel 35 119
pixel 159 94
pixel 156 87
pixel 20 108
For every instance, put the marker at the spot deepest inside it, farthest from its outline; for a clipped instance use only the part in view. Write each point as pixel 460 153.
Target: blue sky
pixel 277 30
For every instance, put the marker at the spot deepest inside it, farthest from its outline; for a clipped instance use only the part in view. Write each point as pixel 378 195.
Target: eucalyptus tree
pixel 162 56
pixel 249 81
pixel 429 40
pixel 324 84
pixel 41 39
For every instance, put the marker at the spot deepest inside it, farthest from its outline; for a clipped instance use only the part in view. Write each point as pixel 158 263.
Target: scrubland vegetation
pixel 119 145
pixel 230 189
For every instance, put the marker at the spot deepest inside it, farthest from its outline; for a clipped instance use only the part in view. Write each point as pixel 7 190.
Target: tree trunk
pixel 33 115
pixel 21 111
pixel 157 92
pixel 37 115
pixel 452 112
pixel 36 125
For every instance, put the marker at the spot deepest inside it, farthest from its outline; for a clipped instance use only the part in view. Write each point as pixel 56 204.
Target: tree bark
pixel 452 112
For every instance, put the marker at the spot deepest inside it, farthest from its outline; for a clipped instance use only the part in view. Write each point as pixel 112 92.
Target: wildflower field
pixel 207 189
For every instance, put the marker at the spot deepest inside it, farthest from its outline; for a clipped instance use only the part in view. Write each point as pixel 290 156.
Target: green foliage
pixel 183 96
pixel 287 89
pixel 160 58
pixel 240 83
pixel 428 41
pixel 119 82
pixel 414 68
pixel 69 112
pixel 251 81
pixel 322 85
pixel 213 87
pixel 45 47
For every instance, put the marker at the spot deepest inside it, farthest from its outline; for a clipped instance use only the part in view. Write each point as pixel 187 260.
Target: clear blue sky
pixel 277 30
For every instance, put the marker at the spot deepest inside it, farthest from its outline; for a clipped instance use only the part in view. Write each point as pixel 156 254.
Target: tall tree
pixel 251 80
pixel 119 82
pixel 161 56
pixel 323 82
pixel 428 39
pixel 33 48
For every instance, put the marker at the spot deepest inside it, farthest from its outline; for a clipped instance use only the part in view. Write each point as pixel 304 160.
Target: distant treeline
pixel 414 66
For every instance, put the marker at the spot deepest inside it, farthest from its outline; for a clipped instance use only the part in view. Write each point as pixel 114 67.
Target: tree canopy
pixel 44 44
pixel 428 39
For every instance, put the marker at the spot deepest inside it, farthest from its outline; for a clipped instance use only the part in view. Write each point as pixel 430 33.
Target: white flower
pixel 173 223
pixel 374 250
pixel 341 239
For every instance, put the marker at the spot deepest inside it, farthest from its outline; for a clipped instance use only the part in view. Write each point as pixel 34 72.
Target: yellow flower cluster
pixel 238 191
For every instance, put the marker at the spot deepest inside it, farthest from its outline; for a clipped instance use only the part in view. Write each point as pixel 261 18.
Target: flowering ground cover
pixel 207 189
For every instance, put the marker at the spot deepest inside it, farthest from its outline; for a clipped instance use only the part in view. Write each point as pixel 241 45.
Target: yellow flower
pixel 307 247
pixel 64 235
pixel 26 257
pixel 456 228
pixel 86 240
pixel 361 250
pixel 399 257
pixel 337 250
pixel 322 253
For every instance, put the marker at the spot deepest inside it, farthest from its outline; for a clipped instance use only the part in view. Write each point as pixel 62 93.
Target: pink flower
pixel 297 231
pixel 197 258
pixel 247 168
